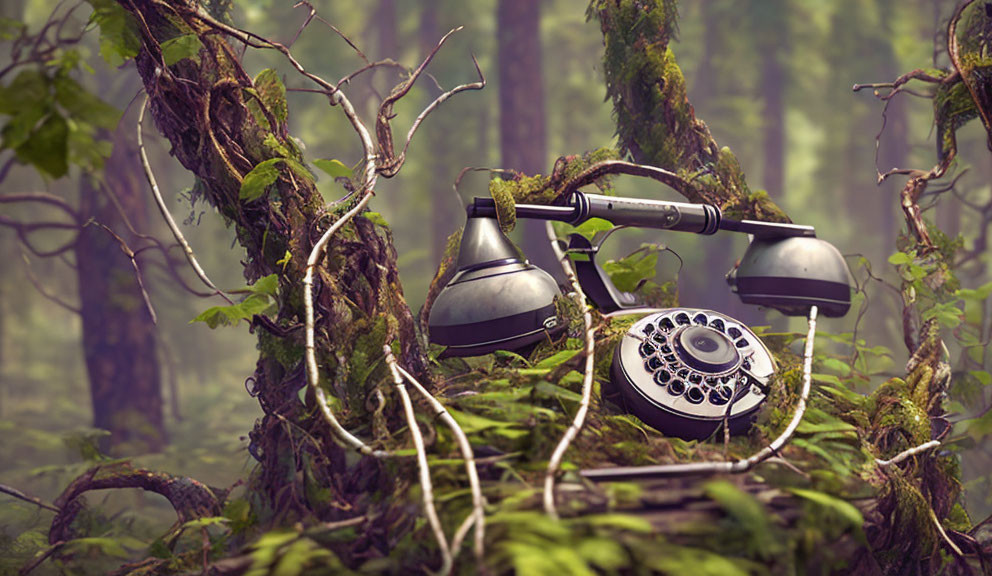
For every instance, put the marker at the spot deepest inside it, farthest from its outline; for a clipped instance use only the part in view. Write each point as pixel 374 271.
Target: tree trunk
pixel 772 34
pixel 119 341
pixel 522 124
pixel 219 131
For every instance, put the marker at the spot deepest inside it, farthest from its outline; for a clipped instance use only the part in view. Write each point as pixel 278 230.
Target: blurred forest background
pixel 771 78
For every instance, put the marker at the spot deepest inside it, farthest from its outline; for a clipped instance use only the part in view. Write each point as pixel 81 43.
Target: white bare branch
pixel 425 471
pixel 176 232
pixel 907 454
pixel 478 511
pixel 580 414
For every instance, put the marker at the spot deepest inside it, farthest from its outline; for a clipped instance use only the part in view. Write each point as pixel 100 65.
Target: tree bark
pixel 206 109
pixel 772 34
pixel 119 341
pixel 522 122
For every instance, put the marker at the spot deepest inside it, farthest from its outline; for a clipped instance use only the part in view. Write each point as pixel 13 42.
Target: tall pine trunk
pixel 119 341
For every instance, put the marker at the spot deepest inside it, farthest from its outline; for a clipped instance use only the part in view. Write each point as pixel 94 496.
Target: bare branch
pixel 437 102
pixel 137 269
pixel 907 454
pixel 580 415
pixel 164 210
pixel 478 512
pixel 425 471
pixel 11 491
pixel 390 164
pixel 607 167
pixel 40 287
pixel 745 465
pixel 41 198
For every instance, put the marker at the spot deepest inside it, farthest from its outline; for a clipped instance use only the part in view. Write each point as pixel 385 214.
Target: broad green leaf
pixel 231 315
pixel 180 48
pixel 267 285
pixel 629 272
pixel 984 378
pixel 900 258
pixel 272 93
pixel 257 182
pixel 557 359
pixel 333 168
pixel 119 40
pixel 748 512
pixel 47 149
pixel 29 89
pixel 85 106
pixel 592 226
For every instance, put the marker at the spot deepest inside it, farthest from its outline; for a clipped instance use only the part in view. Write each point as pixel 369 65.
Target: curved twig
pixel 745 465
pixel 580 415
pixel 427 489
pixel 164 210
pixel 607 167
pixel 907 454
pixel 40 287
pixel 478 511
pixel 340 433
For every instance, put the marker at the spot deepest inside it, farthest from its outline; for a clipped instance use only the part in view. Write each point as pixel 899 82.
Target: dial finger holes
pixel 676 388
pixel 667 324
pixel 720 395
pixel 662 377
pixel 699 319
pixel 682 319
pixel 695 395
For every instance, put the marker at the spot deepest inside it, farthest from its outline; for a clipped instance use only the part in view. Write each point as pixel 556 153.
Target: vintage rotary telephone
pixel 683 371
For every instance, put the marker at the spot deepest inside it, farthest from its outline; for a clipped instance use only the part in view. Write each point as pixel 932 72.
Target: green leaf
pixel 630 272
pixel 592 226
pixel 984 378
pixel 267 285
pixel 257 182
pixel 900 258
pixel 376 219
pixel 748 512
pixel 29 89
pixel 83 105
pixel 272 93
pixel 206 521
pixel 557 359
pixel 47 149
pixel 619 521
pixel 333 168
pixel 842 508
pixel 180 48
pixel 119 40
pixel 255 303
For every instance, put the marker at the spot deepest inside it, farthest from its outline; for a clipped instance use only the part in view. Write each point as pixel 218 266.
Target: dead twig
pixel 425 471
pixel 468 455
pixel 573 430
pixel 166 215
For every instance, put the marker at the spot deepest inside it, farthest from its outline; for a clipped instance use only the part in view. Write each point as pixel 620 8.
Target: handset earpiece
pixel 495 300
